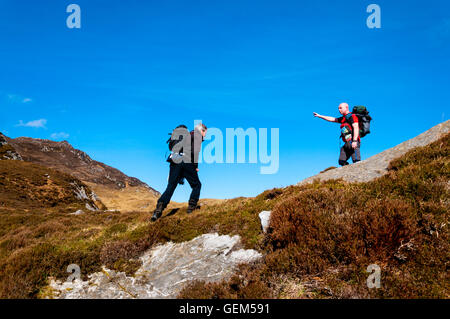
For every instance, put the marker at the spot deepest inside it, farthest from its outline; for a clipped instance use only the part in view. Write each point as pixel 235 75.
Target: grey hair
pixel 201 127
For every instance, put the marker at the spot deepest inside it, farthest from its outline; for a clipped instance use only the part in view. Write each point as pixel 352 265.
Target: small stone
pixel 265 219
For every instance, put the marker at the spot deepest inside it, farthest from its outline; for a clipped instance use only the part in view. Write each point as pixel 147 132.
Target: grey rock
pixel 10 154
pixel 78 212
pixel 89 207
pixel 2 140
pixel 165 270
pixel 80 193
pixel 264 216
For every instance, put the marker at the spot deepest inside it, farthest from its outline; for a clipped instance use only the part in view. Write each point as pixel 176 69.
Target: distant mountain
pixel 114 188
pixel 28 186
pixel 63 157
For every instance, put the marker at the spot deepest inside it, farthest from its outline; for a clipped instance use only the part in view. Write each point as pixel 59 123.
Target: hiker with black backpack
pixel 354 125
pixel 185 148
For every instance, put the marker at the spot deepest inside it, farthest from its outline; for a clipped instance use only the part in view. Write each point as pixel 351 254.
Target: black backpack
pixel 176 136
pixel 363 119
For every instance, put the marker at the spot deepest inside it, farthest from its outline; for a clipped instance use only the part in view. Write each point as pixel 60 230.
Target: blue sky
pixel 136 69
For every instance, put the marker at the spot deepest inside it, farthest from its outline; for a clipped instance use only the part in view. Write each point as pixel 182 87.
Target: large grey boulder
pixel 165 270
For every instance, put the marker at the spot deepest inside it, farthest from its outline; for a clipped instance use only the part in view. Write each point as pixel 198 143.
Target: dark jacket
pixel 190 150
pixel 196 145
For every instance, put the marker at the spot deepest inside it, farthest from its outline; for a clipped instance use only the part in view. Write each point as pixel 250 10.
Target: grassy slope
pixel 134 198
pixel 125 199
pixel 27 186
pixel 322 237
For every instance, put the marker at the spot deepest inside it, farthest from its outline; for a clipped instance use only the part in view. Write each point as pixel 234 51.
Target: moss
pixel 115 229
pixel 128 266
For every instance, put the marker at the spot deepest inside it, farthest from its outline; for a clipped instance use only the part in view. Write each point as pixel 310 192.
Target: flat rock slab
pixel 377 165
pixel 165 270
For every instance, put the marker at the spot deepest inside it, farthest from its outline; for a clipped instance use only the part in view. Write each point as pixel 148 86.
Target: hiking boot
pixel 192 206
pixel 343 163
pixel 158 211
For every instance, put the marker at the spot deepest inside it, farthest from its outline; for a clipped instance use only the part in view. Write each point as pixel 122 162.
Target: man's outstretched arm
pixel 326 118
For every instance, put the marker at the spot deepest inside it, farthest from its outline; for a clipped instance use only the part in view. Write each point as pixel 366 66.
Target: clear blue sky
pixel 136 69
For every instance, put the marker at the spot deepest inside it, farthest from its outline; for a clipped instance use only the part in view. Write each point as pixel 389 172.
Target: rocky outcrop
pixel 165 270
pixel 3 140
pixel 377 165
pixel 84 194
pixel 7 152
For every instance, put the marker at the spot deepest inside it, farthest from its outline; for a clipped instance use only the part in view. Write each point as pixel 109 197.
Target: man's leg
pixel 191 175
pixel 344 155
pixel 163 201
pixel 356 156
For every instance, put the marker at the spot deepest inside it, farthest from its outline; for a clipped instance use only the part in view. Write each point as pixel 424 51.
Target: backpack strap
pixel 346 118
pixel 345 123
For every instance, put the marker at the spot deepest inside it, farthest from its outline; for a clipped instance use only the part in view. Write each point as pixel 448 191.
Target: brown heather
pixel 321 240
pixel 324 235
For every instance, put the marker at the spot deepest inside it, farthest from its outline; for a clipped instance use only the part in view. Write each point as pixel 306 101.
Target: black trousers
pixel 176 174
pixel 347 151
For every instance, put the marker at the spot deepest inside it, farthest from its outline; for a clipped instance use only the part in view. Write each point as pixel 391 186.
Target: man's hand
pixel 326 118
pixel 354 144
pixel 196 169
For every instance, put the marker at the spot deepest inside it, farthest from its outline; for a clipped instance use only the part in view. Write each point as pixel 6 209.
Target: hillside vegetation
pixel 27 186
pixel 324 235
pixel 321 240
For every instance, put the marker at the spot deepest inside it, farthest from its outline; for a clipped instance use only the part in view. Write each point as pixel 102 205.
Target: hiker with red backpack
pixel 354 125
pixel 185 148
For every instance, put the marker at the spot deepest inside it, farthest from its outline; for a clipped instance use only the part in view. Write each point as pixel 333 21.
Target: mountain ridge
pixel 64 157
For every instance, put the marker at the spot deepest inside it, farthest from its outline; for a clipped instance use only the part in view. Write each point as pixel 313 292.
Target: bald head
pixel 343 108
